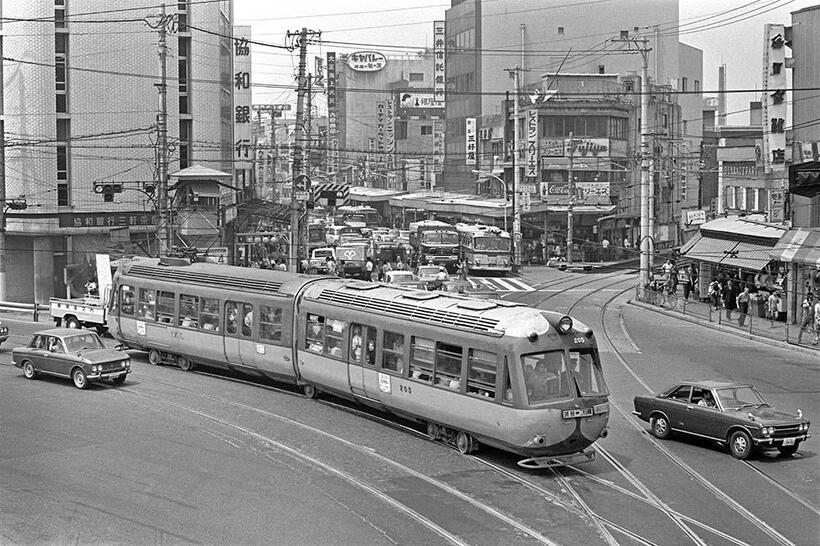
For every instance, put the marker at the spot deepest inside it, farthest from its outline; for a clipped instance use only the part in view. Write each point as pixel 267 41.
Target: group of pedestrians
pixel 810 318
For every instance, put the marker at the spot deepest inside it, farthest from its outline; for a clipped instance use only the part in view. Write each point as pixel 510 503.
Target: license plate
pixel 573 413
pixel 788 441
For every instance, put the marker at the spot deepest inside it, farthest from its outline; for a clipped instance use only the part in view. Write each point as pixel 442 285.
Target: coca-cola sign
pixel 366 61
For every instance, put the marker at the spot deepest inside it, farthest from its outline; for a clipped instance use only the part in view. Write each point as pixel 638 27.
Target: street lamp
pixel 503 189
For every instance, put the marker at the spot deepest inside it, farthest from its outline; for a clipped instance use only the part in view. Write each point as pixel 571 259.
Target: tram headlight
pixel 565 325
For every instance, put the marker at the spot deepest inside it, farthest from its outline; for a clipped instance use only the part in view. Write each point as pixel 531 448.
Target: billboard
pixel 470 141
pixel 772 102
pixel 242 102
pixel 531 165
pixel 366 61
pixel 332 115
pixel 439 60
pixel 390 134
pixel 415 99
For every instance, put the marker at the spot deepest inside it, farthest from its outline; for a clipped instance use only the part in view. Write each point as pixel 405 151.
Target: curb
pixel 725 329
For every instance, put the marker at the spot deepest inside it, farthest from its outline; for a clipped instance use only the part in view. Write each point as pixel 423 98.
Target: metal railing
pixel 755 322
pixel 34 308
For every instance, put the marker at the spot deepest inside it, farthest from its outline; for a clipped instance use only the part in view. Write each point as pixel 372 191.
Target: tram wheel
pixel 154 357
pixel 185 364
pixel 309 391
pixel 433 431
pixel 464 443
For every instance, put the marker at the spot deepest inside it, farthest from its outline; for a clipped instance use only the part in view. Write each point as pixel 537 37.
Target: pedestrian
pixel 743 300
pixel 807 318
pixel 604 249
pixel 399 265
pixel 730 299
pixel 816 323
pixel 685 280
pixel 340 269
pixel 714 293
pixel 441 277
pixel 772 305
pixel 330 263
pixel 462 267
pixel 386 268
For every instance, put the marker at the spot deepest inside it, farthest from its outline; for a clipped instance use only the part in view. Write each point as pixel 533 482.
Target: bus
pixel 358 216
pixel 473 372
pixel 485 249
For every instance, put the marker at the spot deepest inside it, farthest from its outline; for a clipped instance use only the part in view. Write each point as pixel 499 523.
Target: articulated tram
pixel 474 371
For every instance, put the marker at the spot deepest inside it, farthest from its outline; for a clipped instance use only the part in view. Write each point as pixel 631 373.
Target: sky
pixel 377 24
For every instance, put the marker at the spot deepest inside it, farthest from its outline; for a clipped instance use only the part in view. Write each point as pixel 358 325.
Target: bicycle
pixel 668 300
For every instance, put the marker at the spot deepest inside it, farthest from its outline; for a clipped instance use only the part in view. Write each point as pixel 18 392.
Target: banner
pixel 380 132
pixel 439 60
pixel 242 102
pixel 390 134
pixel 777 200
pixel 773 100
pixel 532 144
pixel 470 134
pixel 438 144
pixel 332 115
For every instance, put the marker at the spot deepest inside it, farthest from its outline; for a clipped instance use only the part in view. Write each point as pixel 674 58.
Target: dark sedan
pixel 732 414
pixel 75 354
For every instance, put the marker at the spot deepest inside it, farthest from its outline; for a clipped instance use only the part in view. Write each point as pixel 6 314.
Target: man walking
pixel 807 320
pixel 743 300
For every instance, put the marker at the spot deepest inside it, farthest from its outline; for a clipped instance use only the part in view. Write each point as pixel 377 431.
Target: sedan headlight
pixel 93 368
pixel 767 431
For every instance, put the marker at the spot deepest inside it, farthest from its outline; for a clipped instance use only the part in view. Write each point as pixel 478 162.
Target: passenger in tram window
pixel 334 347
pixel 247 322
pixel 314 336
pixel 230 325
pixel 356 343
pixel 371 352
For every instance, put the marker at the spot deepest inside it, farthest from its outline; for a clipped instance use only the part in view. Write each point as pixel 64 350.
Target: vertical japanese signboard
pixel 773 103
pixel 438 145
pixel 381 117
pixel 439 60
pixel 332 115
pixel 532 145
pixel 390 134
pixel 470 134
pixel 242 102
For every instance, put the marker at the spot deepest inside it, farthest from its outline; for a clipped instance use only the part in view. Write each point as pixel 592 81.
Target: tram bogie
pixel 478 372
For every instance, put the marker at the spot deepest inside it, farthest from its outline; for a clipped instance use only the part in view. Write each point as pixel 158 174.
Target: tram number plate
pixel 573 413
pixel 788 441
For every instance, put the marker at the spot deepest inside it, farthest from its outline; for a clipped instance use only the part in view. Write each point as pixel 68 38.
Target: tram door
pixel 361 365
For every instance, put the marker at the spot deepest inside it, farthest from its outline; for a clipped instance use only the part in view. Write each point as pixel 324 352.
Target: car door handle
pixel 688 407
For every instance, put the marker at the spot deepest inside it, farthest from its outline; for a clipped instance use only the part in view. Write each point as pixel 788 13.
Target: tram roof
pixel 494 317
pixel 245 279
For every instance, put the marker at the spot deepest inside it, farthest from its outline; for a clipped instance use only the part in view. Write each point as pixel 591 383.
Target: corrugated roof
pixel 798 246
pixel 753 225
pixel 725 251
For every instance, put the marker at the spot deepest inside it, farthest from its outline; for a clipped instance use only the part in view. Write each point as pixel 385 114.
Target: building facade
pixel 79 112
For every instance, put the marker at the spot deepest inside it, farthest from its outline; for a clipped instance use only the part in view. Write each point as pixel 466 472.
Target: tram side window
pixel 231 317
pixel 315 333
pixel 247 319
pixel 209 314
pixel 188 311
pixel 165 307
pixel 481 374
pixel 147 304
pixel 393 352
pixel 334 330
pixel 270 323
pixel 448 365
pixel 422 358
pixel 127 298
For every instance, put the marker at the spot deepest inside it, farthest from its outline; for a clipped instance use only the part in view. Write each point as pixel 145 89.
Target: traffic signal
pixel 149 187
pixel 107 190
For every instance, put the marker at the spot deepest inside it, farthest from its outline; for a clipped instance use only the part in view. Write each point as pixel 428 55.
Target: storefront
pixel 799 250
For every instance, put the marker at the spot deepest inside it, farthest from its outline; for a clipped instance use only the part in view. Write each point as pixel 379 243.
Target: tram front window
pixel 545 376
pixel 587 372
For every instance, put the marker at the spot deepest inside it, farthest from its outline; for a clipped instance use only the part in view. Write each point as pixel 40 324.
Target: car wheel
pixel 119 380
pixel 185 364
pixel 660 427
pixel 72 322
pixel 28 370
pixel 79 378
pixel 154 357
pixel 788 451
pixel 740 444
pixel 309 391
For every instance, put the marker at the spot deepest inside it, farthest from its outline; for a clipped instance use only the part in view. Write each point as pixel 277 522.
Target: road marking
pixel 626 334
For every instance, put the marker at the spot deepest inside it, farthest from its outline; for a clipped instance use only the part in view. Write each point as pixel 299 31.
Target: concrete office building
pixel 80 108
pixel 486 38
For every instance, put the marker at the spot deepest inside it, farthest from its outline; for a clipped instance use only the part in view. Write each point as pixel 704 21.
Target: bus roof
pixel 481 229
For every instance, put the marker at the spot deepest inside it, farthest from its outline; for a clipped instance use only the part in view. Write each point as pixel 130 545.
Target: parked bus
pixel 520 379
pixel 485 248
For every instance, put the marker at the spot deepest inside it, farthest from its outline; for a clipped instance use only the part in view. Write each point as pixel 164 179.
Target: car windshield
pixel 549 375
pixel 736 398
pixel 401 276
pixel 428 271
pixel 322 253
pixel 81 342
pixel 441 237
pixel 492 243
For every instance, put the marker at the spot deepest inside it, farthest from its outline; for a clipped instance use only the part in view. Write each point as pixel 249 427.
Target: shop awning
pixel 798 246
pixel 745 255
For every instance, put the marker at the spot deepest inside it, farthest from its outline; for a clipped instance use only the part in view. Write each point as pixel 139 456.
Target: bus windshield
pixel 440 237
pixel 548 375
pixel 492 243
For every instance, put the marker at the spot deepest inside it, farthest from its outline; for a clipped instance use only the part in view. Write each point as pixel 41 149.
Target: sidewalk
pixel 755 328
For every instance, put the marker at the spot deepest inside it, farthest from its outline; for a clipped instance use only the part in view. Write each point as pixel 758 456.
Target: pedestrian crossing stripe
pixel 499 285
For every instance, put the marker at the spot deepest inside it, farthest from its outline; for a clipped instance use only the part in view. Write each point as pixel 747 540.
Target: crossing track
pixel 584 485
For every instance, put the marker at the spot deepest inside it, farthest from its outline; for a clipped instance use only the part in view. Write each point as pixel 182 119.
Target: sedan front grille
pixel 786 430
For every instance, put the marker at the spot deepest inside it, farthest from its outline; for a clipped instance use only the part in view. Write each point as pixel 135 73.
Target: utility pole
pixel 647 243
pixel 571 191
pixel 164 229
pixel 3 249
pixel 301 39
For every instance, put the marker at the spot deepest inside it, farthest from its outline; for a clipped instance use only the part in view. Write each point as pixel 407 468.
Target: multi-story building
pixel 486 39
pixel 386 120
pixel 79 110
